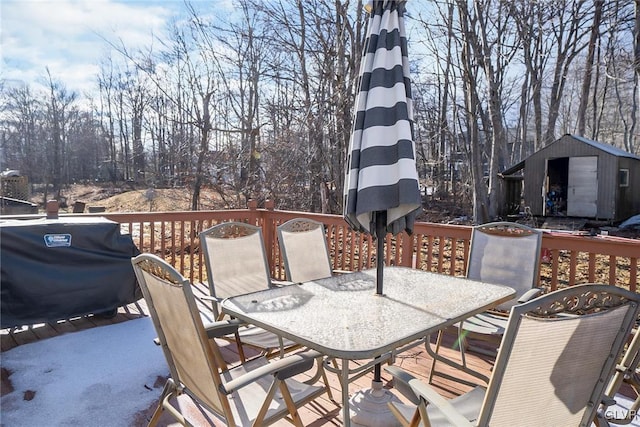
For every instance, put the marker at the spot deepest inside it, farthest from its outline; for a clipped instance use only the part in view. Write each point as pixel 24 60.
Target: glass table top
pixel 342 316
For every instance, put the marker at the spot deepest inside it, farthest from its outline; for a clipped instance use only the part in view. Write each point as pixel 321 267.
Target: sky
pixel 68 36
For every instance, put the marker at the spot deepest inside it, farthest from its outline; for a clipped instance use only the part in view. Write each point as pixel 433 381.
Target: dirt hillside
pixel 124 199
pixel 118 199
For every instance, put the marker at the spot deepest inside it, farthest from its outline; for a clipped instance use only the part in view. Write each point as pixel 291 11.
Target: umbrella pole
pixel 381 228
pixel 381 231
pixel 370 407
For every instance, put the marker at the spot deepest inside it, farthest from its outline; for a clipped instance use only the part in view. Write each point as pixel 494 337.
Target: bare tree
pixel 23 128
pixel 568 32
pixel 107 85
pixel 258 102
pixel 530 19
pixel 636 78
pixel 60 100
pixel 588 67
pixel 494 45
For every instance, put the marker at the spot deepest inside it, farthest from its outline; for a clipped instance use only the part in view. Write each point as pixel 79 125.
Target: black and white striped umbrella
pixel 382 193
pixel 381 169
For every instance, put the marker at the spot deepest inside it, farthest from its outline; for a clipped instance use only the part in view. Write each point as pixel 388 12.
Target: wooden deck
pixel 322 412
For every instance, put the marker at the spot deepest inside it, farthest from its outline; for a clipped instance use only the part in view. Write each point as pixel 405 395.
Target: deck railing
pixel 567 259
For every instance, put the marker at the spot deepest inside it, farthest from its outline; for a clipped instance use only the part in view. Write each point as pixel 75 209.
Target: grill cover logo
pixel 57 240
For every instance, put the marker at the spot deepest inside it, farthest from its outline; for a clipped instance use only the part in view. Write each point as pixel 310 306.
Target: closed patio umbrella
pixel 381 188
pixel 382 193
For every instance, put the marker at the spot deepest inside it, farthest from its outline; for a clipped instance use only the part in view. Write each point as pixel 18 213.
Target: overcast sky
pixel 67 36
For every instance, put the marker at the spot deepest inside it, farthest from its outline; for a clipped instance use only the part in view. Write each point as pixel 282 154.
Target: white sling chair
pixel 556 357
pixel 304 250
pixel 257 393
pixel 503 253
pixel 236 264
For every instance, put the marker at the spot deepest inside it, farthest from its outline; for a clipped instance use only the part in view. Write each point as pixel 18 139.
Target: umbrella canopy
pixel 381 188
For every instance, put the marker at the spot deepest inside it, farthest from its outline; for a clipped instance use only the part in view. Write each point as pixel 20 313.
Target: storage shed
pixel 577 177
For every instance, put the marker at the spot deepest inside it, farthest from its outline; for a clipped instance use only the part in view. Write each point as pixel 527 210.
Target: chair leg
pixel 288 399
pixel 243 359
pixel 321 373
pixel 435 356
pixel 169 391
pixel 462 343
pixel 286 396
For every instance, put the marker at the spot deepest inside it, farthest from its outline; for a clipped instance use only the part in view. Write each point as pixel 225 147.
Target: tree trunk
pixel 588 67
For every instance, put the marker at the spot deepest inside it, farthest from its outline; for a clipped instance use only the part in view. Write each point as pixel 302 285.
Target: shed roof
pixel 513 169
pixel 615 151
pixel 605 147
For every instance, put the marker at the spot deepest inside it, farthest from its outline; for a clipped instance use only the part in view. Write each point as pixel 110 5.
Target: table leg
pixel 344 379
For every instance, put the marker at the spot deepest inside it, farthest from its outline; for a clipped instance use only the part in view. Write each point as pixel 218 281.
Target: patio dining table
pixel 343 318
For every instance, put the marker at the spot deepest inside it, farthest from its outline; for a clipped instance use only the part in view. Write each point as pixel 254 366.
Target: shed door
pixel 582 191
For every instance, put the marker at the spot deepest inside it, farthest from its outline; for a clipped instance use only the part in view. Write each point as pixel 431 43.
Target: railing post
pixel 269 233
pixel 52 209
pixel 252 205
pixel 407 250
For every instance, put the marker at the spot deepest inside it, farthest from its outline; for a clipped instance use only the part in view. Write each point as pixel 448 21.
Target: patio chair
pixel 503 253
pixel 552 367
pixel 304 250
pixel 627 372
pixel 257 393
pixel 236 264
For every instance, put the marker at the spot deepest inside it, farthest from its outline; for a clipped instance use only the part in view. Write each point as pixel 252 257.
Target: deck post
pixel 52 209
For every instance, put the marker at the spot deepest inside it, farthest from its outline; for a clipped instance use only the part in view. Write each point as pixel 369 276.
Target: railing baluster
pixel 430 253
pixel 173 243
pixel 454 250
pixel 183 232
pixel 572 267
pixel 574 258
pixel 441 245
pixel 555 261
pixel 592 267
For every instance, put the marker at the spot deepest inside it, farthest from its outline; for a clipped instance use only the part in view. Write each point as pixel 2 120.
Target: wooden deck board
pixel 322 412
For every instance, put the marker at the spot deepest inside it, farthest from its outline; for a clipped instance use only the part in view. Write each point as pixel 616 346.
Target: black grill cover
pixel 62 268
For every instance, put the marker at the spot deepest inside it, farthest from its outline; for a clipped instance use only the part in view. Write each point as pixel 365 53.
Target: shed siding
pixel 534 174
pixel 534 168
pixel 628 200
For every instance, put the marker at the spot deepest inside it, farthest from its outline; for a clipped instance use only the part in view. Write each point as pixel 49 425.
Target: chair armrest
pixel 275 282
pixel 529 295
pixel 222 328
pixel 282 369
pixel 401 380
pixel 406 382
